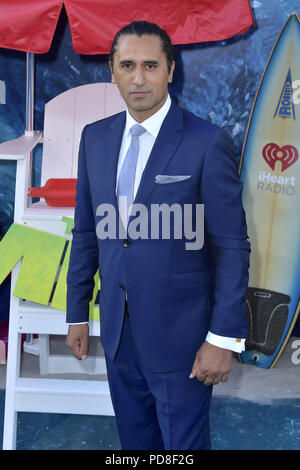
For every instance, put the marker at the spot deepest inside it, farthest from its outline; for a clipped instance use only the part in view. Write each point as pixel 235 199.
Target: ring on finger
pixel 216 381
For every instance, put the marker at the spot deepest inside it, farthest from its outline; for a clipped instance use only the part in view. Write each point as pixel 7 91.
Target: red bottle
pixel 57 192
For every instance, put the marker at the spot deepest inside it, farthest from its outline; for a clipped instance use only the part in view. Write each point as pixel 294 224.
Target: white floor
pixel 245 382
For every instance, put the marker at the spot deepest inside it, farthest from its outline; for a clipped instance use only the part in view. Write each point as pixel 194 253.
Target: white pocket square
pixel 163 179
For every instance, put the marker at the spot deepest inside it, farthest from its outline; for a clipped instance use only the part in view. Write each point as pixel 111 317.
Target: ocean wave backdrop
pixel 216 81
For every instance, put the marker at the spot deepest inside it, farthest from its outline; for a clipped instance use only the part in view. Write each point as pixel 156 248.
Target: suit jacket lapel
pixel 164 148
pixel 113 142
pixel 167 141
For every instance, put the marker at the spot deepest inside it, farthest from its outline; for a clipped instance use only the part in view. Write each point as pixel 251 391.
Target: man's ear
pixel 170 77
pixel 112 73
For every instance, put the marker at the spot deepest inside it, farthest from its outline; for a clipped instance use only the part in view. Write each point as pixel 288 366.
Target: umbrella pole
pixel 29 122
pixel 29 92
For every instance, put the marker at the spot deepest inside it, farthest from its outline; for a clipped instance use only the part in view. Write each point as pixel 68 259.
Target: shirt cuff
pixel 234 344
pixel 79 323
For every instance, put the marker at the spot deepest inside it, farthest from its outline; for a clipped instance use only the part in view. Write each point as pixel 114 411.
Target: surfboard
pixel 270 172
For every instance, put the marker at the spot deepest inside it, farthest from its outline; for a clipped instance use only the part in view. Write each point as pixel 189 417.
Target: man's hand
pixel 212 364
pixel 78 340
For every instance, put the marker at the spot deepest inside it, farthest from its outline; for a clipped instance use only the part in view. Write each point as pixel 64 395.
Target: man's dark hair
pixel 145 27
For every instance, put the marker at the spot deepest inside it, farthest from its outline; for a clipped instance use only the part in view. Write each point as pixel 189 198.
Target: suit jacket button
pixel 122 286
pixel 126 243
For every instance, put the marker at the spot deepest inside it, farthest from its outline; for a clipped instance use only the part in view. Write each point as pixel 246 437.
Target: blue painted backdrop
pixel 216 81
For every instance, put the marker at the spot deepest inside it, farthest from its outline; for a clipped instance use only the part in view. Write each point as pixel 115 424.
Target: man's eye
pixel 150 66
pixel 127 66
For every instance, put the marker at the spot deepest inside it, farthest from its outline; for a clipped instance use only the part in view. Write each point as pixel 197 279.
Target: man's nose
pixel 139 77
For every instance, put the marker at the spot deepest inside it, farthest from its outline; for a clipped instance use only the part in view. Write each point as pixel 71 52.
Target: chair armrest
pixel 19 148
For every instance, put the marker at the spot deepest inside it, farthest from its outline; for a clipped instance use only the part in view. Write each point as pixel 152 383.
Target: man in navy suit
pixel 170 314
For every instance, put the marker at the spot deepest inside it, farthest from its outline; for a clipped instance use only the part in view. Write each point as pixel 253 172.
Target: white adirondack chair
pixel 65 117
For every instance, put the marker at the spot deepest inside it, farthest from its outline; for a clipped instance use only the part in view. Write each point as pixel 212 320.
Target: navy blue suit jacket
pixel 174 295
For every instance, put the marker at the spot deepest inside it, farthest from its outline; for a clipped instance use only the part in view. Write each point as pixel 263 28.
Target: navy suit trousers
pixel 156 410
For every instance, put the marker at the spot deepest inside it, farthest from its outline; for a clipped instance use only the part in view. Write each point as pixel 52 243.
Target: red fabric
pixel 29 25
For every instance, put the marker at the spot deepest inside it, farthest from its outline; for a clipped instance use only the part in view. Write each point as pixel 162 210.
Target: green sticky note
pixel 70 223
pixel 41 253
pixel 59 299
pixel 94 308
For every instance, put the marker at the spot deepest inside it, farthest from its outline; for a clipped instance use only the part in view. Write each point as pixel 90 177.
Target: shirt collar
pixel 153 123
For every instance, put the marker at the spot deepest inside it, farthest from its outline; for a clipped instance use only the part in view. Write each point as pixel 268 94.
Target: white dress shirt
pixel 146 142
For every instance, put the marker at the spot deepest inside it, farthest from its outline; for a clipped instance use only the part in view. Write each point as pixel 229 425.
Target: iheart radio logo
pixel 287 155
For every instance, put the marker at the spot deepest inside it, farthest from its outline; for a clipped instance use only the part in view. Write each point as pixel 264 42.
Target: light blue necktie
pixel 127 173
